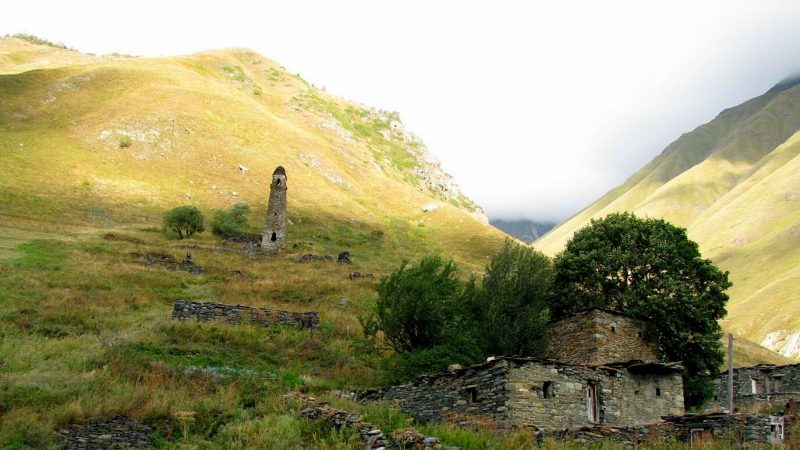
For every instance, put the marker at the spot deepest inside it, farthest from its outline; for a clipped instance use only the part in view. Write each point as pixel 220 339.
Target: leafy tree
pixel 184 220
pixel 417 304
pixel 650 269
pixel 512 306
pixel 231 223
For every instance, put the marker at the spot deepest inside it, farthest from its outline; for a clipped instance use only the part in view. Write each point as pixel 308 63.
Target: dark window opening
pixel 613 329
pixel 658 392
pixel 472 395
pixel 638 334
pixel 278 182
pixel 637 392
pixel 547 389
pixel 274 237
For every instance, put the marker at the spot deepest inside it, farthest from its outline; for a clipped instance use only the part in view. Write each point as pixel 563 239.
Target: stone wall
pixel 116 432
pixel 457 395
pixel 527 392
pixel 598 336
pixel 772 384
pixel 736 428
pixel 236 314
pixel 549 394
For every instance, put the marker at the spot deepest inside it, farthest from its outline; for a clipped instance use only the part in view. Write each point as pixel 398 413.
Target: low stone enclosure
pixel 514 392
pixel 237 314
pixel 758 386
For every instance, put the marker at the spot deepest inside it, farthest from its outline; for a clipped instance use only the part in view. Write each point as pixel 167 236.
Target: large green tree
pixel 650 269
pixel 512 305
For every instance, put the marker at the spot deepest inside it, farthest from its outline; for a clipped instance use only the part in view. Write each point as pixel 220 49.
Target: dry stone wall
pixel 598 336
pixel 458 395
pixel 758 386
pixel 549 394
pixel 527 392
pixel 237 314
pixel 117 432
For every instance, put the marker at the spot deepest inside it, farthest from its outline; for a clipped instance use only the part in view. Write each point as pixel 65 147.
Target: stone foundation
pixel 117 432
pixel 237 314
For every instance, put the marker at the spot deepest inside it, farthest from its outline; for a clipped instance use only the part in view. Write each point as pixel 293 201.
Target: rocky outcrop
pixel 373 438
pixel 237 314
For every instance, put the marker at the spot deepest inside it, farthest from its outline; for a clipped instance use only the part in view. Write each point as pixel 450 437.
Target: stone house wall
pixel 474 391
pixel 528 392
pixel 598 336
pixel 772 384
pixel 236 314
pixel 548 394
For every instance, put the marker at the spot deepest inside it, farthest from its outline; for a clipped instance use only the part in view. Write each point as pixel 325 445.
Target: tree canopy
pixel 512 304
pixel 649 269
pixel 184 220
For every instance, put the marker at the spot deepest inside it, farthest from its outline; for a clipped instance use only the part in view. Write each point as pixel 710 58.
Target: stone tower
pixel 274 238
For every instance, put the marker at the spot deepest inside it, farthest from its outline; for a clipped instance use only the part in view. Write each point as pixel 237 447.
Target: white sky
pixel 536 108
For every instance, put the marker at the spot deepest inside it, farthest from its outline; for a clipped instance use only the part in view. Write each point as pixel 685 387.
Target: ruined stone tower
pixel 274 238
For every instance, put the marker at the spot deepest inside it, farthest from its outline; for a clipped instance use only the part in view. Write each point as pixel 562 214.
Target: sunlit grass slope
pixel 116 142
pixel 735 184
pixel 94 150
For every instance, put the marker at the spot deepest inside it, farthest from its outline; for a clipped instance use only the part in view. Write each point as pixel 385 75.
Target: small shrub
pixel 183 220
pixel 231 223
pixel 124 141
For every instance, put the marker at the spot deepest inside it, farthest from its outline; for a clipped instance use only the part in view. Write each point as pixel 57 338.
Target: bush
pixel 416 304
pixel 511 307
pixel 183 220
pixel 231 223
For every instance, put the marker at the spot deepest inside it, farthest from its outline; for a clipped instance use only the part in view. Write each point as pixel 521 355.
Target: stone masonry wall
pixel 548 395
pixel 513 392
pixel 773 384
pixel 597 336
pixel 236 314
pixel 475 391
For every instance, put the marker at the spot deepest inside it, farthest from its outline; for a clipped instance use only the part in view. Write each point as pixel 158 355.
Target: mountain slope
pixel 116 141
pixel 523 229
pixel 734 184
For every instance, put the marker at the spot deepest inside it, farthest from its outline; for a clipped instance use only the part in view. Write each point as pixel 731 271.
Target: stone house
pixel 611 376
pixel 758 386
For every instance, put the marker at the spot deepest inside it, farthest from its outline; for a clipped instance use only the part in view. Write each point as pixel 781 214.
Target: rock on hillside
pixel 734 183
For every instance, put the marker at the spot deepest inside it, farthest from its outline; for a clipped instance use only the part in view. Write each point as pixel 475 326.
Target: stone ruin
pixel 371 436
pixel 274 237
pixel 116 432
pixel 758 386
pixel 237 314
pixel 169 262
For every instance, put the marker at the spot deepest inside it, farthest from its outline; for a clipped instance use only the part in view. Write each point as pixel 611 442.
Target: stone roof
pixel 594 308
pixel 279 171
pixel 635 365
pixel 762 367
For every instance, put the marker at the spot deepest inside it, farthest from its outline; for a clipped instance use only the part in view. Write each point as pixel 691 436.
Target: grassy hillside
pixel 94 150
pixel 733 183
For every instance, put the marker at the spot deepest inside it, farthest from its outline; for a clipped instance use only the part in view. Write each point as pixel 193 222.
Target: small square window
pixel 547 389
pixel 658 392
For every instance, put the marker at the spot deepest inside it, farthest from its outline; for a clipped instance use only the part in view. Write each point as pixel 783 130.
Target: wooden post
pixel 730 373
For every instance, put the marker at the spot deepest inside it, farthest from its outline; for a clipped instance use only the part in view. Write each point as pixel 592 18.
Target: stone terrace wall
pixel 773 385
pixel 236 314
pixel 460 395
pixel 598 336
pixel 553 395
